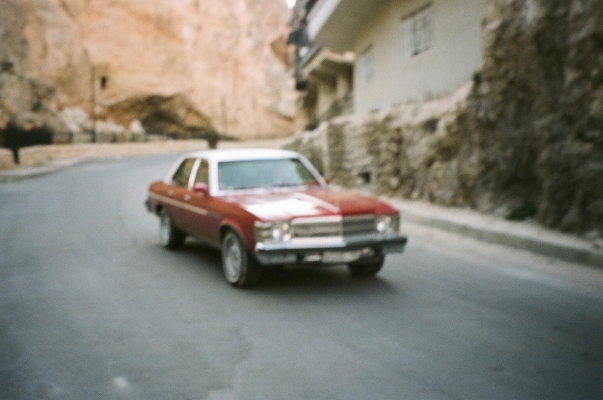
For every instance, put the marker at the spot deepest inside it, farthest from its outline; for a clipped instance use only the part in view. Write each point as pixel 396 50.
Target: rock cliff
pixel 224 62
pixel 539 108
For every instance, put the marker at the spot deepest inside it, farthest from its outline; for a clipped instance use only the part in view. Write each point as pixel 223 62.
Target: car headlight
pixel 276 232
pixel 387 224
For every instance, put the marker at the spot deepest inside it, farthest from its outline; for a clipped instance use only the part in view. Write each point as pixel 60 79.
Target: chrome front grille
pixel 333 226
pixel 358 225
pixel 316 227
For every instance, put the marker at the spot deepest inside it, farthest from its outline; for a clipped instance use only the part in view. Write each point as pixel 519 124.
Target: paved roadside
pixel 522 235
pixel 525 235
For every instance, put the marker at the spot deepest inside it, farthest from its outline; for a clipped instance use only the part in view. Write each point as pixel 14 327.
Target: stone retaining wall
pixel 411 152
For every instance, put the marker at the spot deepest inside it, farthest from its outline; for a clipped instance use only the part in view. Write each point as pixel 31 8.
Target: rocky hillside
pixel 190 67
pixel 539 108
pixel 523 140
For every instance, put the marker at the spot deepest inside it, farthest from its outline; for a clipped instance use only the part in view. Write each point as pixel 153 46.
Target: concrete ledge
pixel 40 155
pixel 6 159
pixel 41 160
pixel 35 156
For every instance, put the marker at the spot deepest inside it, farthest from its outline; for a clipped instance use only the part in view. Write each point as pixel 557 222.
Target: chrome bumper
pixel 331 250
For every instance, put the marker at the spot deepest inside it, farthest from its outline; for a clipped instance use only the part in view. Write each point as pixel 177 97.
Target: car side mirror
pixel 201 188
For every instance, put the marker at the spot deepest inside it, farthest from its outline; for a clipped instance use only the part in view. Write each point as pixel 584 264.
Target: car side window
pixel 203 173
pixel 183 172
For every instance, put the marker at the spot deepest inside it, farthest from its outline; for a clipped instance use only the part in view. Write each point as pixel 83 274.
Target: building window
pixel 417 29
pixel 365 65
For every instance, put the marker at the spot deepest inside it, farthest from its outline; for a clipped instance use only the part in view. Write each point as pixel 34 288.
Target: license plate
pixel 341 256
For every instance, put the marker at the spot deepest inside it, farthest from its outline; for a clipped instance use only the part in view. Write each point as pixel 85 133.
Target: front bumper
pixel 336 250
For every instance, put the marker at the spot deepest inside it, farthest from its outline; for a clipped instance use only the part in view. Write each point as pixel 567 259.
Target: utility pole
pixel 296 25
pixel 298 37
pixel 93 100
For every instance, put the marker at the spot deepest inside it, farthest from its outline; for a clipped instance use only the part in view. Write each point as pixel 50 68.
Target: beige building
pixel 405 50
pixel 329 87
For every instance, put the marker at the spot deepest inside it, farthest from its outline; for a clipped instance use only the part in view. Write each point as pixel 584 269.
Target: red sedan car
pixel 268 207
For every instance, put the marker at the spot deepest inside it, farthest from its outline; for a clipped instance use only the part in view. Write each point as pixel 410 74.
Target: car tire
pixel 367 268
pixel 240 268
pixel 171 237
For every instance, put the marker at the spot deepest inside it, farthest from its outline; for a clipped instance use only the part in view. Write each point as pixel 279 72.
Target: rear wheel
pixel 240 268
pixel 367 268
pixel 171 237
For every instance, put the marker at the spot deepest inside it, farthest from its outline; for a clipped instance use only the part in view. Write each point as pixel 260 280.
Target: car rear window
pixel 182 175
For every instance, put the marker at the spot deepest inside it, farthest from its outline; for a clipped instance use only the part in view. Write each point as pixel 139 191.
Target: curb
pixel 20 174
pixel 518 235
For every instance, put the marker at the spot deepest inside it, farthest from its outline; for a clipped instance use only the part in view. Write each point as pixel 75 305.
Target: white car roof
pixel 241 154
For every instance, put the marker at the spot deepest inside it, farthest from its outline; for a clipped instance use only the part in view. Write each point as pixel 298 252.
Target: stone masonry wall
pixel 418 152
pixel 524 139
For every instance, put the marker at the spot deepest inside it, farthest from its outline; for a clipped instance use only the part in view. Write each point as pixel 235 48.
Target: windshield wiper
pixel 286 185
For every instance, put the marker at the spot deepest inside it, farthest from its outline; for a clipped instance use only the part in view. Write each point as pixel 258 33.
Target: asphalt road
pixel 91 307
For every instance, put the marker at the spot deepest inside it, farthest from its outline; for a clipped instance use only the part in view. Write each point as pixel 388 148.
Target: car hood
pixel 272 205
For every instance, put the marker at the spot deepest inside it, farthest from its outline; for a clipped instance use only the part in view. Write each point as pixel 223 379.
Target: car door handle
pixel 187 197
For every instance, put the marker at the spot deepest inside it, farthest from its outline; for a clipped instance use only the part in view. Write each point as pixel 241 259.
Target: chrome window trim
pixel 191 178
pixel 179 204
pixel 216 191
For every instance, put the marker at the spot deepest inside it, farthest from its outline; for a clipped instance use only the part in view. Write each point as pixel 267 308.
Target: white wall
pixel 456 54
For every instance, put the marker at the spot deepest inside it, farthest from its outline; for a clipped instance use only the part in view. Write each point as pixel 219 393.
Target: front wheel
pixel 367 268
pixel 240 268
pixel 171 237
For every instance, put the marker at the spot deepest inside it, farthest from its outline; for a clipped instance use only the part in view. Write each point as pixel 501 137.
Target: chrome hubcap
pixel 165 229
pixel 233 258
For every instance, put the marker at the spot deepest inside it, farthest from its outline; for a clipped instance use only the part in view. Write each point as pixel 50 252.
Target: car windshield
pixel 249 174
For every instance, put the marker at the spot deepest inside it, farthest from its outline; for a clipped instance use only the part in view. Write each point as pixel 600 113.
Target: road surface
pixel 91 307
